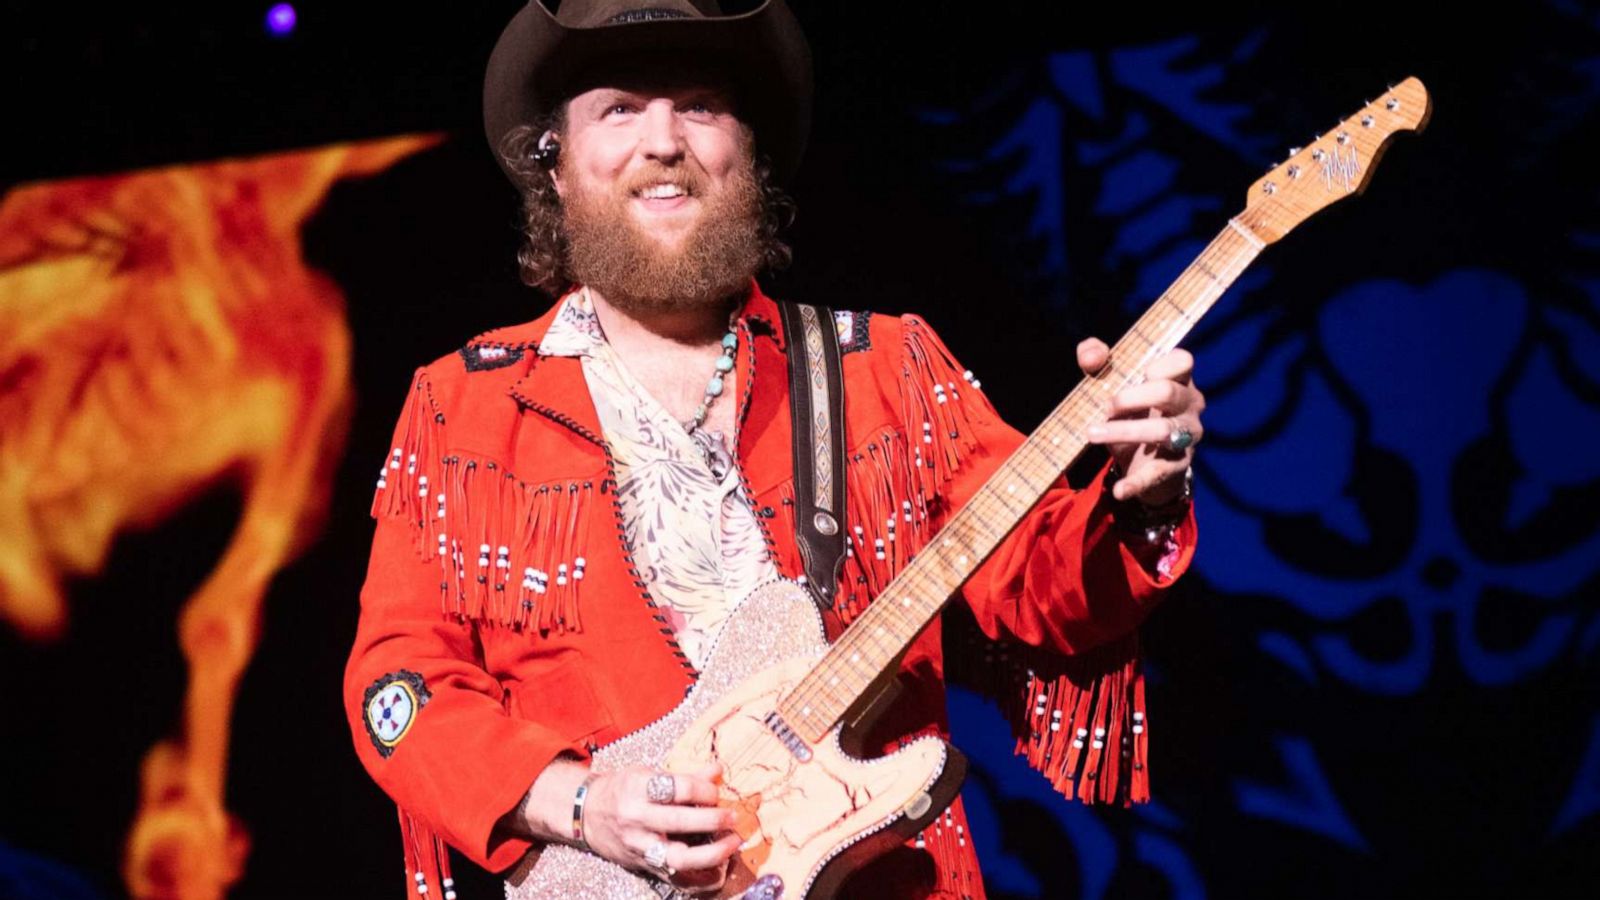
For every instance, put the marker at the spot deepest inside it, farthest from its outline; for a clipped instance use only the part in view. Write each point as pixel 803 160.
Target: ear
pixel 558 182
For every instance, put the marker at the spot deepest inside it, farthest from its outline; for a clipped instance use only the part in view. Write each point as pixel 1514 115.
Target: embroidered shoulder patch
pixel 392 704
pixel 853 328
pixel 480 357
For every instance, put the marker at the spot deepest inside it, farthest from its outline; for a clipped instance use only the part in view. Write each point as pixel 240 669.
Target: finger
pixel 686 819
pixel 686 858
pixel 700 881
pixel 1177 364
pixel 1170 397
pixel 1154 475
pixel 639 841
pixel 697 789
pixel 1142 431
pixel 700 787
pixel 1092 354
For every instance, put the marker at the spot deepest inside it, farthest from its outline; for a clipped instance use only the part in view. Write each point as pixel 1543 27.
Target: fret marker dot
pixel 962 559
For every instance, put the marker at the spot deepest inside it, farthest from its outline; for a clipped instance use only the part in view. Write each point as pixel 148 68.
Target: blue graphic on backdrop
pixel 1400 372
pixel 1400 453
pixel 25 876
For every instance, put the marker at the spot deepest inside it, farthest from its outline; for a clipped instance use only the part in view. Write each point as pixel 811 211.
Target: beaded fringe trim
pixel 509 553
pixel 427 861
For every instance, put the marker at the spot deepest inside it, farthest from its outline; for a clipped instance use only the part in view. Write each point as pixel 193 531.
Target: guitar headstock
pixel 1337 164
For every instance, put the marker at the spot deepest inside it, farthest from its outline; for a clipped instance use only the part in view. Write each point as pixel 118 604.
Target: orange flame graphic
pixel 160 332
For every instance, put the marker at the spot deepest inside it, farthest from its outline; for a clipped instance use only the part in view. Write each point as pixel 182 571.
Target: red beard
pixel 636 273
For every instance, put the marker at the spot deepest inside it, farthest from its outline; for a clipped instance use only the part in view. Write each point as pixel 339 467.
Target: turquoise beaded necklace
pixel 724 365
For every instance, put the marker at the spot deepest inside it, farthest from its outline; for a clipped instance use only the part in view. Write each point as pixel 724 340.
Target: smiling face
pixel 661 204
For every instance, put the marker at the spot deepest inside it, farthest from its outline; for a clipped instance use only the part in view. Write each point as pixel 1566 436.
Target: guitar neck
pixel 875 640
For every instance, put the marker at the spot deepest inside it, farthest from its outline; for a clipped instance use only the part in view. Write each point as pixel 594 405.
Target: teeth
pixel 661 192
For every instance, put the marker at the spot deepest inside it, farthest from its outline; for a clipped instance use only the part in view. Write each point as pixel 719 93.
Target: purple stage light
pixel 280 19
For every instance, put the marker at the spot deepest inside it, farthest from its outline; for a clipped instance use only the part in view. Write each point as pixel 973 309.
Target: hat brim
pixel 538 61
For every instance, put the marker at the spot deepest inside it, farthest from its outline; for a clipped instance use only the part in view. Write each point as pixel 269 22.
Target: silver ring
pixel 661 788
pixel 655 856
pixel 1181 437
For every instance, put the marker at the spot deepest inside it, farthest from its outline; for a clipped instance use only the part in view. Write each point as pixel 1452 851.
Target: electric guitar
pixel 772 697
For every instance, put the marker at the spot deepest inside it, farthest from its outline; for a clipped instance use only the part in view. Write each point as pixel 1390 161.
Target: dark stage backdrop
pixel 1379 680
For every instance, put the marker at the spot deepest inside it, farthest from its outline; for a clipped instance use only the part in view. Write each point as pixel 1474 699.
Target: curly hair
pixel 544 258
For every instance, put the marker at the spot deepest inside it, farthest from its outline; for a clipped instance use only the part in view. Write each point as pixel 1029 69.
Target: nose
pixel 661 138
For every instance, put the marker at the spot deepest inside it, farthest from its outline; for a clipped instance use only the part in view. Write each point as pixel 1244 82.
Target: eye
pixel 705 105
pixel 618 108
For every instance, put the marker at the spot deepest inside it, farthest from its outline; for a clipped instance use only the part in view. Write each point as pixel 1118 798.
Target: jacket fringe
pixel 1080 719
pixel 946 840
pixel 940 400
pixel 509 553
pixel 427 861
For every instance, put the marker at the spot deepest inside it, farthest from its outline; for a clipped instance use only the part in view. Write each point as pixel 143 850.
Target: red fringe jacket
pixel 504 622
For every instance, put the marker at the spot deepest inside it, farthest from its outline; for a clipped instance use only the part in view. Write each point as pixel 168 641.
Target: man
pixel 573 505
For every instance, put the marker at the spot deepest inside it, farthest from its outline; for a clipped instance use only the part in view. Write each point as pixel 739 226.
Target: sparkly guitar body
pixel 808 812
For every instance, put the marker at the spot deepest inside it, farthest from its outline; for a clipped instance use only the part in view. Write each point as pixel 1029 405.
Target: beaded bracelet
pixel 1155 523
pixel 578 799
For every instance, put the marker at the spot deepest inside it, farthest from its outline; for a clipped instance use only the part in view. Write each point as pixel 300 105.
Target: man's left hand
pixel 1142 419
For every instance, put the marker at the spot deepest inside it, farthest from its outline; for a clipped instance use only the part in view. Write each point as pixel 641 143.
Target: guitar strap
pixel 816 398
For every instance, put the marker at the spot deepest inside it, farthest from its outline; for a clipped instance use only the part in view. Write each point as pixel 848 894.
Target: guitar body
pixel 808 821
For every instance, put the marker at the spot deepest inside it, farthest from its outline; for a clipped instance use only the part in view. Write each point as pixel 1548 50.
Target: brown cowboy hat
pixel 542 58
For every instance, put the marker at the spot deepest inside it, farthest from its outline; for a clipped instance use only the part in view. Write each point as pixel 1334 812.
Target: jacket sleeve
pixel 1068 578
pixel 1065 584
pixel 430 724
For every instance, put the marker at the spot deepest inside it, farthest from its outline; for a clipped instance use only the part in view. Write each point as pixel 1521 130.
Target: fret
pixel 913 597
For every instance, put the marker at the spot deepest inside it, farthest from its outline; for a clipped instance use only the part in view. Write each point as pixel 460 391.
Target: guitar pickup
pixel 786 736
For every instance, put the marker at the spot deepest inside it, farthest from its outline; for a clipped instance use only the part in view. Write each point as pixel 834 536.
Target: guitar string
pixel 1197 281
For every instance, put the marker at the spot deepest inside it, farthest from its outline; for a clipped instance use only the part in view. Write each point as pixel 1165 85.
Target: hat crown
pixel 543 58
pixel 598 13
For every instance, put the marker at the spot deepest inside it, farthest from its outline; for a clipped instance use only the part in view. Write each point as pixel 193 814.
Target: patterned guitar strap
pixel 816 398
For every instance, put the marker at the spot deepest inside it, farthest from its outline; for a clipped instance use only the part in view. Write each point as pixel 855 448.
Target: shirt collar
pixel 575 330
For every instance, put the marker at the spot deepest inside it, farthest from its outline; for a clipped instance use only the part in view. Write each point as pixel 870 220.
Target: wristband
pixel 578 800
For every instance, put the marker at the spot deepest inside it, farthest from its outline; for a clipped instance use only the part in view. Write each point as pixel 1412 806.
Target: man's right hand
pixel 622 824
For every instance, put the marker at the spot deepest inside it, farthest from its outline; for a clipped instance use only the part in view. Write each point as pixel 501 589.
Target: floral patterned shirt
pixel 687 519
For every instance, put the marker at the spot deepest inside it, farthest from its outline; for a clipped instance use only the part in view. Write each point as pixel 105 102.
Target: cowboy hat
pixel 542 58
